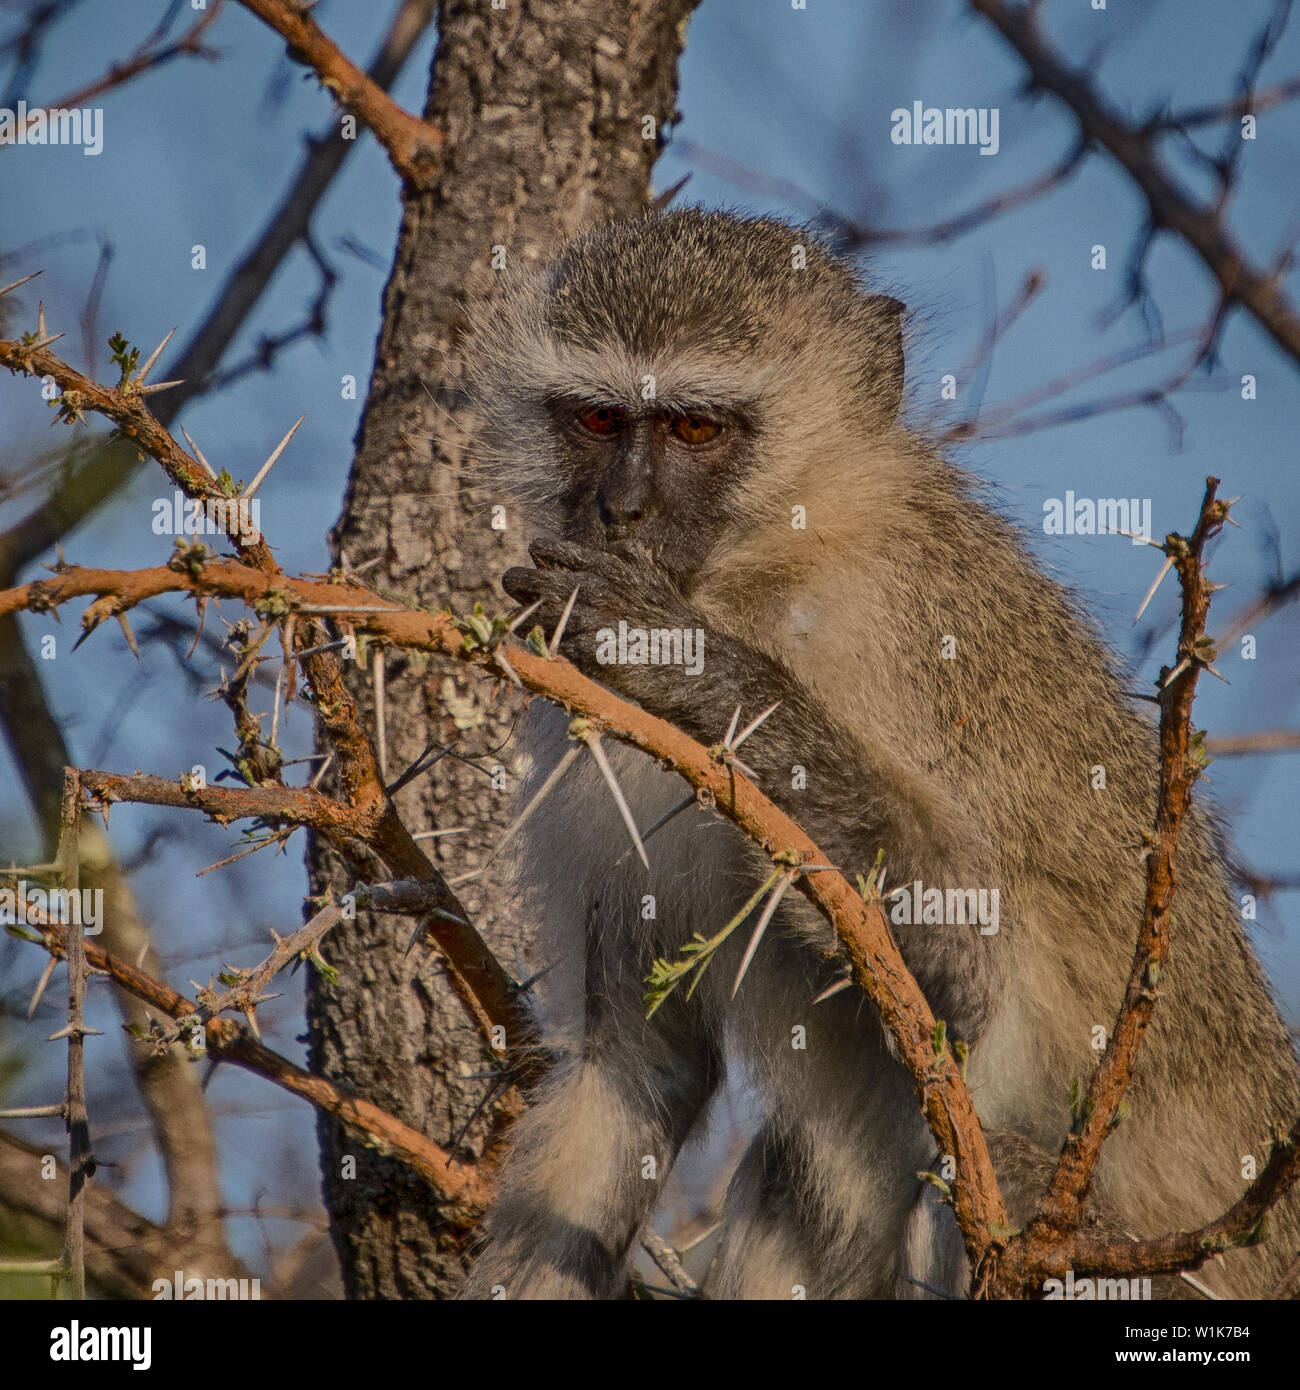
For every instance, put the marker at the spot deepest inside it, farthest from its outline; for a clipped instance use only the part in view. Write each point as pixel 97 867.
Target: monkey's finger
pixel 633 553
pixel 549 552
pixel 529 585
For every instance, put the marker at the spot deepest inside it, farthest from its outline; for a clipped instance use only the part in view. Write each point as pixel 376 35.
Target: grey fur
pixel 969 773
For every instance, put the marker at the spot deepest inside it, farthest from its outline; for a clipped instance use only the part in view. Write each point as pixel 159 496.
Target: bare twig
pixel 1260 292
pixel 412 145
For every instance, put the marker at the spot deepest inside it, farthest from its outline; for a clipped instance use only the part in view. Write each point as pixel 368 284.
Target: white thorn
pixel 562 624
pixel 13 285
pixel 834 989
pixel 500 658
pixel 158 386
pixel 593 743
pixel 1176 672
pixel 381 721
pixel 556 773
pixel 1155 584
pixel 41 329
pixel 270 463
pixel 731 728
pixel 153 357
pixel 71 1030
pixel 531 609
pixel 760 927
pixel 1201 1288
pixel 53 960
pixel 749 728
pixel 1133 536
pixel 198 454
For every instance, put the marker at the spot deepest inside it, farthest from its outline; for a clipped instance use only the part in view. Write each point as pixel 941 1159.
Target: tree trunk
pixel 544 105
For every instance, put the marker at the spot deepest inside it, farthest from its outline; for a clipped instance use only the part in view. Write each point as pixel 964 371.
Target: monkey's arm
pixel 849 803
pixel 852 808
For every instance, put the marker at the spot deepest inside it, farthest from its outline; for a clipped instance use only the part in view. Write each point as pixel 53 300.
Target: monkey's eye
pixel 601 419
pixel 694 429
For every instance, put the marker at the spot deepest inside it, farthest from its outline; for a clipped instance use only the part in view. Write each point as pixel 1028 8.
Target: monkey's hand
pixel 632 630
pixel 622 584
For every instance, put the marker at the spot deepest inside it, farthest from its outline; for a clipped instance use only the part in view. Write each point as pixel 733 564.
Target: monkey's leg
pixel 819 1205
pixel 589 1159
pixel 767 1250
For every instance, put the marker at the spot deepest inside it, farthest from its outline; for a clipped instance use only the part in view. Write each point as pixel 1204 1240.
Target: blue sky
pixel 197 153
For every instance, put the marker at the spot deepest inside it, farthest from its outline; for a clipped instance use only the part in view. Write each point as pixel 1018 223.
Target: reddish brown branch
pixel 482 985
pixel 1180 765
pixel 877 964
pixel 126 408
pixel 486 989
pixel 1050 1243
pixel 413 145
pixel 462 1187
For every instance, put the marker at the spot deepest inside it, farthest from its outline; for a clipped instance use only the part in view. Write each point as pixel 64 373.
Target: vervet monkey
pixel 699 413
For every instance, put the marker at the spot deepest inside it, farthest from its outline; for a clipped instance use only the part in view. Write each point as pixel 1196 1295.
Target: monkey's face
pixel 663 477
pixel 680 381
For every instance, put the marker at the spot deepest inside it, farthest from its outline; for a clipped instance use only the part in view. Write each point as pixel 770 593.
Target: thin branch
pixel 413 146
pixel 462 1188
pixel 1260 292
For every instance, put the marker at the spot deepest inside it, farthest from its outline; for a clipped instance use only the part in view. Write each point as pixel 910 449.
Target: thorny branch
pixel 1050 1244
pixel 288 224
pixel 483 986
pixel 462 1187
pixel 1006 1264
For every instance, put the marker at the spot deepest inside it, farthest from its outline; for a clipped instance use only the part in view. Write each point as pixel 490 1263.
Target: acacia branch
pixel 413 146
pixel 482 985
pixel 485 988
pixel 1181 763
pixel 877 964
pixel 88 485
pixel 1051 1243
pixel 463 1188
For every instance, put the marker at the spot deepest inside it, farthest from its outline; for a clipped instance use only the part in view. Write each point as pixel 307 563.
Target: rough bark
pixel 542 105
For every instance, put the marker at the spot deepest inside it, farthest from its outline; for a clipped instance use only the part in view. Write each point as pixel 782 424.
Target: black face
pixel 660 477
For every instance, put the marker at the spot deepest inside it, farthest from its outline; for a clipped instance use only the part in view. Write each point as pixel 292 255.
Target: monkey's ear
pixel 887 315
